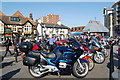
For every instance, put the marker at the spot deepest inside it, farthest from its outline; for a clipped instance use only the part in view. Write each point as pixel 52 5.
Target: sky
pixel 71 14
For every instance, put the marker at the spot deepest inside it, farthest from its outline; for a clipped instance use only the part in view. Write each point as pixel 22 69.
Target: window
pixel 14 28
pixel 27 29
pixel 1 25
pixel 75 29
pixel 16 19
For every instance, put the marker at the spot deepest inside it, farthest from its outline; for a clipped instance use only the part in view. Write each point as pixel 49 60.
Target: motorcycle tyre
pixel 32 73
pixel 98 61
pixel 92 64
pixel 76 74
pixel 106 53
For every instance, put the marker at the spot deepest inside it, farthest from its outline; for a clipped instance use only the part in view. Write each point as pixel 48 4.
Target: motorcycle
pixel 60 59
pixel 96 49
pixel 88 56
pixel 104 48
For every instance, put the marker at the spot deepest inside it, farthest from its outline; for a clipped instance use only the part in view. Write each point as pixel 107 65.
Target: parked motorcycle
pixel 104 48
pixel 96 49
pixel 61 58
pixel 88 56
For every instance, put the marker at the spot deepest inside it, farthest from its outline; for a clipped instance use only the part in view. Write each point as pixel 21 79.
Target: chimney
pixel 59 23
pixel 31 16
pixel 36 20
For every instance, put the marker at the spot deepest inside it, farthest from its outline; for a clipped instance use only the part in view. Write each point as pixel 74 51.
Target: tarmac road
pixel 10 69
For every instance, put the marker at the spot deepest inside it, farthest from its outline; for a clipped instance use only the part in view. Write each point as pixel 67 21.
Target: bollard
pixel 111 63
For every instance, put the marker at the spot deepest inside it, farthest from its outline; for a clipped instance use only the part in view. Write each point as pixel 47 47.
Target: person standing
pixel 7 44
pixel 15 49
pixel 51 43
pixel 22 40
pixel 15 43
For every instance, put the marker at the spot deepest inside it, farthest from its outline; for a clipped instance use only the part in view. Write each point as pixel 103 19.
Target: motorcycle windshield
pixel 75 43
pixel 95 43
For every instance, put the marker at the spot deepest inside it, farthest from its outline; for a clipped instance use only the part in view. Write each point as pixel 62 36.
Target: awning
pixel 76 33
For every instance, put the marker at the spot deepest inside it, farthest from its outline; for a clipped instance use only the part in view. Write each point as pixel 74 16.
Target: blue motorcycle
pixel 62 58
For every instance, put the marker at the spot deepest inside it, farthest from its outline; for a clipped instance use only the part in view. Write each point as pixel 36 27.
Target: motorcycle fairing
pixel 83 60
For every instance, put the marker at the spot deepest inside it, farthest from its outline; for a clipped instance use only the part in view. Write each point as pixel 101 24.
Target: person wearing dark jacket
pixel 15 43
pixel 7 44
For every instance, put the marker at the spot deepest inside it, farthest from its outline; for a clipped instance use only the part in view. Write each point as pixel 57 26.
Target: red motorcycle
pixel 87 56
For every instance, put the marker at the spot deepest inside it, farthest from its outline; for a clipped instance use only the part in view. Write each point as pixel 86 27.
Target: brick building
pixel 51 19
pixel 77 29
pixel 51 25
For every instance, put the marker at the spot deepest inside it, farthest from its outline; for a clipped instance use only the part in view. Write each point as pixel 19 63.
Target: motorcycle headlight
pixel 81 48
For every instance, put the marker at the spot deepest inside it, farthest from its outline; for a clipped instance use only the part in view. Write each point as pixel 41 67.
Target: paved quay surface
pixel 10 69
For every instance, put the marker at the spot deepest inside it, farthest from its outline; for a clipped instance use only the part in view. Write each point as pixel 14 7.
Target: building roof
pixel 1 14
pixel 108 8
pixel 95 26
pixel 6 19
pixel 79 27
pixel 55 26
pixel 17 14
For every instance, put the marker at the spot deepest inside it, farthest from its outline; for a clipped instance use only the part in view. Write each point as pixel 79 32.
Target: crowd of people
pixel 40 43
pixel 15 41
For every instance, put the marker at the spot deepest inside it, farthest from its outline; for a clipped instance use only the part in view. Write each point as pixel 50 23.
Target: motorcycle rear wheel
pixel 106 52
pixel 35 71
pixel 77 70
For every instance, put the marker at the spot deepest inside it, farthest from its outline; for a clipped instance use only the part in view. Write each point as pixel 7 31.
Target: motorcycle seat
pixel 48 55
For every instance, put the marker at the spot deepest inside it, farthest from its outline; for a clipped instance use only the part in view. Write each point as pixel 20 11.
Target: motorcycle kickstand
pixel 59 75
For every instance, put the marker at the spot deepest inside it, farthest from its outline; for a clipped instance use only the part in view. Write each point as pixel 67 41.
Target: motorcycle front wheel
pixel 78 71
pixel 99 58
pixel 91 64
pixel 35 71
